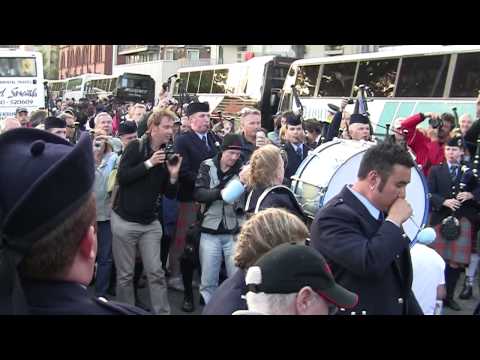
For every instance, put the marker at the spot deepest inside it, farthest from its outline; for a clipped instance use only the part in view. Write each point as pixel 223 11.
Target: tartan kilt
pixel 187 214
pixel 458 250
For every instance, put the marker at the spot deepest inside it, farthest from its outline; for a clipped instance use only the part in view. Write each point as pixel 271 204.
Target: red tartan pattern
pixel 187 213
pixel 458 250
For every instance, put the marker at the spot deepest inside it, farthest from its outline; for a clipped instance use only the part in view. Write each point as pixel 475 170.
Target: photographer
pixel 428 147
pixel 220 223
pixel 144 174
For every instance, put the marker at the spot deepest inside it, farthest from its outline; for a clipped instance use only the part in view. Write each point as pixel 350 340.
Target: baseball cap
pixel 288 268
pixel 21 109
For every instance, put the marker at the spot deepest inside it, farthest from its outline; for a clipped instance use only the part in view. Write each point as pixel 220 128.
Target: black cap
pixel 44 180
pixel 358 119
pixel 195 107
pixel 232 142
pixel 288 268
pixel 127 127
pixel 293 119
pixel 54 122
pixel 455 141
pixel 21 109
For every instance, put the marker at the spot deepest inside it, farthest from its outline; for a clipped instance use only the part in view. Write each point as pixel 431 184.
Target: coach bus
pixel 75 88
pixel 125 87
pixel 230 87
pixel 21 81
pixel 402 82
pixel 57 88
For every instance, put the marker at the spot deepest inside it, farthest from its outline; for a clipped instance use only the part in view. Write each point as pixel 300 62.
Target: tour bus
pixel 21 81
pixel 76 85
pixel 230 87
pixel 402 82
pixel 57 88
pixel 125 87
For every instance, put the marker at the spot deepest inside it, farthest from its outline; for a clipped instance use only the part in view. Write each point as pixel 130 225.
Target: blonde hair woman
pixel 264 180
pixel 261 233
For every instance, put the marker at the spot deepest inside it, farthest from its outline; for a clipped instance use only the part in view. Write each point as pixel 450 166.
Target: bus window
pixel 466 78
pixel 74 84
pixel 379 76
pixel 422 76
pixel 18 67
pixel 182 79
pixel 206 82
pixel 219 81
pixel 193 81
pixel 337 79
pixel 306 80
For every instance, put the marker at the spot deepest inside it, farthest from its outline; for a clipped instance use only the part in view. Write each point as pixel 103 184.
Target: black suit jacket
pixel 367 256
pixel 294 161
pixel 440 186
pixel 194 151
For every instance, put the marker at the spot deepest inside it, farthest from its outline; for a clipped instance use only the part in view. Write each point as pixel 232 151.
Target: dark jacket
pixel 294 161
pixel 441 186
pixel 334 127
pixel 193 151
pixel 228 296
pixel 67 298
pixel 275 199
pixel 471 137
pixel 247 149
pixel 140 187
pixel 367 256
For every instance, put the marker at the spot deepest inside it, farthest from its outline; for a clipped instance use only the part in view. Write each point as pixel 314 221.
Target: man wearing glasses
pixel 279 284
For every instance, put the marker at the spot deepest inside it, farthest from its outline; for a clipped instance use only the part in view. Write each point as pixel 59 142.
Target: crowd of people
pixel 123 196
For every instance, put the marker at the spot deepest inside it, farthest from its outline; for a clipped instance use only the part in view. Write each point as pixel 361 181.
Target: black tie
pixel 453 173
pixel 299 151
pixel 205 141
pixel 381 217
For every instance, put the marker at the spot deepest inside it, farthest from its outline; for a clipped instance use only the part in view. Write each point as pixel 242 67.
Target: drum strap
pixel 264 195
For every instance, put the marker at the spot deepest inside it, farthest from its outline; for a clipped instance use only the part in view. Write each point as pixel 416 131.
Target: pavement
pixel 467 305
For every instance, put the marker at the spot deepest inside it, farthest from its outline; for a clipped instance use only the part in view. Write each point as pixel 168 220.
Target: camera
pixel 350 101
pixel 171 157
pixel 435 123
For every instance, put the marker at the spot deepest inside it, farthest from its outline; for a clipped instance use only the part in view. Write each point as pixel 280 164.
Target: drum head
pixel 324 173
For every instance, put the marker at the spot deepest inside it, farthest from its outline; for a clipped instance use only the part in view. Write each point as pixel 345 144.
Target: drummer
pixel 359 232
pixel 359 127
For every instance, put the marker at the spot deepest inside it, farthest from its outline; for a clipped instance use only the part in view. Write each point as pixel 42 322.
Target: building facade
pixel 76 60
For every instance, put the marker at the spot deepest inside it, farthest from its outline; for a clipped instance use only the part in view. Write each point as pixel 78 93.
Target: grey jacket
pixel 219 217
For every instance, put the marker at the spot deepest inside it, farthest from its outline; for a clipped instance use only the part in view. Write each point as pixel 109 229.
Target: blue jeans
pixel 211 249
pixel 104 257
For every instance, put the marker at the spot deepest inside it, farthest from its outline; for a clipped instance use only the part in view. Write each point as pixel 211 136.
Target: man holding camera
pixel 428 147
pixel 144 174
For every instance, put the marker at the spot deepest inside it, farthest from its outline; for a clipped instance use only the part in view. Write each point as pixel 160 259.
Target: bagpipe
pixel 450 226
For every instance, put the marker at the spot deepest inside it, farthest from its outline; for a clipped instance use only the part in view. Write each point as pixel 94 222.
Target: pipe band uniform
pixel 46 187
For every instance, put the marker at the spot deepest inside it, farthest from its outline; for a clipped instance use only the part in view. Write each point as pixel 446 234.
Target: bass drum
pixel 331 166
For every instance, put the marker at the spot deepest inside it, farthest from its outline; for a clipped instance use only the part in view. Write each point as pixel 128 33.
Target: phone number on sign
pixel 16 102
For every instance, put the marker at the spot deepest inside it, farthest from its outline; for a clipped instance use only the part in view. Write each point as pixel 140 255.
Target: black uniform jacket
pixel 367 256
pixel 68 298
pixel 441 187
pixel 294 161
pixel 193 151
pixel 277 198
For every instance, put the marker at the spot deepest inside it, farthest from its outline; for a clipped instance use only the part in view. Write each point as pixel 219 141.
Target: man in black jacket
pixel 194 146
pixel 368 254
pixel 296 150
pixel 144 174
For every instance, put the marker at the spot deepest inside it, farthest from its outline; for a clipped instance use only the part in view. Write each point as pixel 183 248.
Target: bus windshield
pixel 18 67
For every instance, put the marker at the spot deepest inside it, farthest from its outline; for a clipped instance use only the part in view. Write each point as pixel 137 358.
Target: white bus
pixel 75 88
pixel 21 81
pixel 230 87
pixel 404 82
